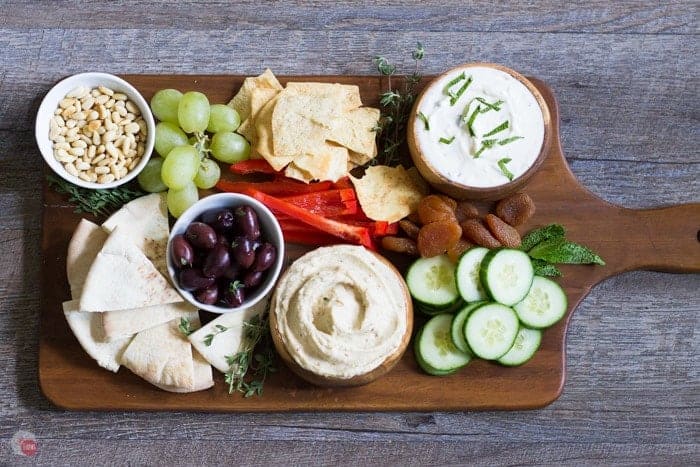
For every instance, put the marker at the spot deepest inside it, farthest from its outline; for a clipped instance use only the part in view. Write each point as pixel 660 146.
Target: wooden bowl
pixel 357 380
pixel 460 191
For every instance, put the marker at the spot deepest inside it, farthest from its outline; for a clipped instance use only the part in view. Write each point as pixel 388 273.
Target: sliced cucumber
pixel 544 305
pixel 435 352
pixel 490 330
pixel 526 344
pixel 431 281
pixel 432 310
pixel 467 274
pixel 457 328
pixel 506 275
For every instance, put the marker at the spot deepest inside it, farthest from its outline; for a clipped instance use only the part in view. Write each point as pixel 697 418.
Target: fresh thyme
pixel 210 337
pixel 185 326
pixel 444 140
pixel 249 369
pixel 100 202
pixel 502 165
pixel 396 108
pixel 425 121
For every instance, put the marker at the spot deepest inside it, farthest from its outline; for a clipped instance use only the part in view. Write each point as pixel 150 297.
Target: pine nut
pixel 70 168
pixel 106 178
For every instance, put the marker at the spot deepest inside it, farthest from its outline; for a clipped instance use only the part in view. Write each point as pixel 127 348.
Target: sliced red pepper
pixel 351 233
pixel 252 166
pixel 274 188
pixel 303 238
pixel 329 203
pixel 344 183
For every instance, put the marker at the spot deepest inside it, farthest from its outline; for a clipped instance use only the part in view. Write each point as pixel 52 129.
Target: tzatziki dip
pixel 479 126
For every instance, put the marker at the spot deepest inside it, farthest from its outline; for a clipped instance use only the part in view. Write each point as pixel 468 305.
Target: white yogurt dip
pixel 485 147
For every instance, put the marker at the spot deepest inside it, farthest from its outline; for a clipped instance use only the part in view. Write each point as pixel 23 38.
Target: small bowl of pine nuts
pixel 95 130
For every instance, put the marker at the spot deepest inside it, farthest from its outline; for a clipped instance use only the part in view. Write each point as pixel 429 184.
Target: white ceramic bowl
pixel 269 227
pixel 90 80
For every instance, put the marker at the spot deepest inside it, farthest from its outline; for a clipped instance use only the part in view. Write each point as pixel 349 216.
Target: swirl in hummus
pixel 341 311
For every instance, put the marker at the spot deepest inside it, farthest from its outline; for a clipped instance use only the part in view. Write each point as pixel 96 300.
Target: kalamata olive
pixel 223 221
pixel 264 257
pixel 232 271
pixel 193 279
pixel 181 252
pixel 221 239
pixel 207 296
pixel 200 235
pixel 217 261
pixel 252 279
pixel 234 294
pixel 243 252
pixel 247 221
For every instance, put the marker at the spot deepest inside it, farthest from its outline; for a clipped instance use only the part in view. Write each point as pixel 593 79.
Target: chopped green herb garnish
pixel 505 141
pixel 185 326
pixel 422 116
pixel 210 337
pixel 471 119
pixel 444 140
pixel 485 144
pixel 502 165
pixel 454 81
pixel 498 129
pixel 495 106
pixel 454 97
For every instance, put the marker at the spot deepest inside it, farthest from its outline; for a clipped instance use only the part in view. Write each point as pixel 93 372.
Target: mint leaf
pixel 562 251
pixel 543 268
pixel 541 234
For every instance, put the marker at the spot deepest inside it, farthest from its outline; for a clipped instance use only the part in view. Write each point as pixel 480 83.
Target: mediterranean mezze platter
pixel 664 239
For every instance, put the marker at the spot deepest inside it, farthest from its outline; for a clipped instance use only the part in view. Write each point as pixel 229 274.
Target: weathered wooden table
pixel 626 76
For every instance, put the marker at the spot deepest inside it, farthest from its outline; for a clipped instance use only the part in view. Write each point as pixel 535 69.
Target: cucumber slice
pixel 544 305
pixel 457 327
pixel 432 310
pixel 490 330
pixel 526 344
pixel 431 281
pixel 467 274
pixel 435 352
pixel 506 275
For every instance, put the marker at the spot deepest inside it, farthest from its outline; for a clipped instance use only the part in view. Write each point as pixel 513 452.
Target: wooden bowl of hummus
pixel 479 131
pixel 341 316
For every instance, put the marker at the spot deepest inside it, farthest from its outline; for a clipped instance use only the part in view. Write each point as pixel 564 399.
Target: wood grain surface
pixel 626 76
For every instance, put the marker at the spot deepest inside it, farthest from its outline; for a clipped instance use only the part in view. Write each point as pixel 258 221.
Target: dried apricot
pixel 474 231
pixel 456 250
pixel 466 210
pixel 504 233
pixel 515 209
pixel 410 228
pixel 432 208
pixel 400 245
pixel 435 238
pixel 413 217
pixel 451 202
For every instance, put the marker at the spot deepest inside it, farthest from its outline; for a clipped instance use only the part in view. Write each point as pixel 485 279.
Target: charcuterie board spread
pixel 399 362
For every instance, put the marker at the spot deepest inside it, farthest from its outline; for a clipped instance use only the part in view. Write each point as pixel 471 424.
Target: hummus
pixel 341 311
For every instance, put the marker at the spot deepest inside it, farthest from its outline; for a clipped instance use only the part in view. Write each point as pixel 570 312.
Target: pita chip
pixel 85 244
pixel 87 328
pixel 332 164
pixel 145 220
pixel 241 102
pixel 121 278
pixel 162 356
pixel 122 323
pixel 355 131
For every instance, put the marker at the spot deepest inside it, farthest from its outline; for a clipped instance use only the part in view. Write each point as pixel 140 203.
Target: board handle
pixel 666 239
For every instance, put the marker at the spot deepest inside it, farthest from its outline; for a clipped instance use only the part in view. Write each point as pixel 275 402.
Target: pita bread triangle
pixel 122 323
pixel 121 277
pixel 203 376
pixel 85 244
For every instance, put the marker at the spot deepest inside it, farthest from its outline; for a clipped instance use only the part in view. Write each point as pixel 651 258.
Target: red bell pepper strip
pixel 351 233
pixel 274 188
pixel 329 203
pixel 344 183
pixel 303 238
pixel 252 166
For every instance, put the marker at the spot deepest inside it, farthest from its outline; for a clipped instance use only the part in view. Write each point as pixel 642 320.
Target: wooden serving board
pixel 664 239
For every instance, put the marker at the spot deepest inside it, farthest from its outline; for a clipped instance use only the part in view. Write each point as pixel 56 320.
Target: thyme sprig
pixel 249 369
pixel 210 337
pixel 100 203
pixel 396 106
pixel 185 326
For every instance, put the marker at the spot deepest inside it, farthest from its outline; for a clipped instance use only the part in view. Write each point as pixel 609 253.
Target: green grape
pixel 164 105
pixel 179 200
pixel 207 175
pixel 180 167
pixel 222 118
pixel 229 147
pixel 168 136
pixel 149 178
pixel 193 112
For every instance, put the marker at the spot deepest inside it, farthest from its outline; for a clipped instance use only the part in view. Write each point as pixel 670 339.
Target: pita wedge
pixel 87 328
pixel 121 278
pixel 162 355
pixel 122 323
pixel 145 220
pixel 241 101
pixel 203 376
pixel 228 342
pixel 85 244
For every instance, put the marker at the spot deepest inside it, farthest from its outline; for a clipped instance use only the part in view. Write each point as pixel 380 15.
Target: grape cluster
pixel 190 129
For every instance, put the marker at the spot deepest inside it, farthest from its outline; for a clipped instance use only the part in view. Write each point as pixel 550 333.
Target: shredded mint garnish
pixel 455 97
pixel 485 144
pixel 495 106
pixel 425 120
pixel 502 165
pixel 505 141
pixel 498 129
pixel 444 140
pixel 454 81
pixel 471 119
